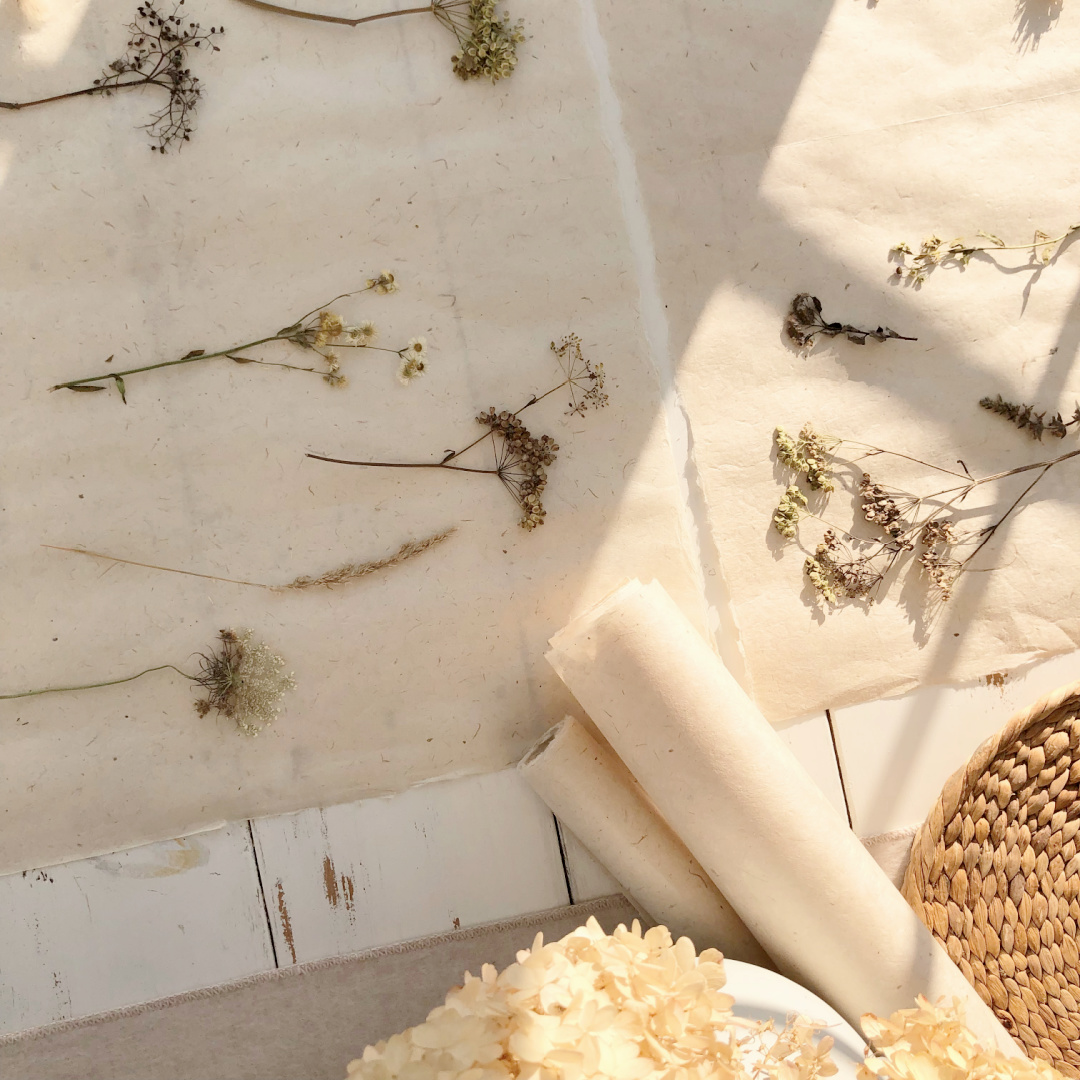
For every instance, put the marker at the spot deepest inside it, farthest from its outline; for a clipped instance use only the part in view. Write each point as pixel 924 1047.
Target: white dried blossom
pixel 931 1042
pixel 363 333
pixel 244 681
pixel 628 1006
pixel 384 283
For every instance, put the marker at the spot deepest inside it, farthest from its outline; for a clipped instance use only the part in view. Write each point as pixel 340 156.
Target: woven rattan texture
pixel 995 874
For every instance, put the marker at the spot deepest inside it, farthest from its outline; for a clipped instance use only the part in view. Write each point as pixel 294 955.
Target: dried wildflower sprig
pixel 933 1041
pixel 320 331
pixel 594 1006
pixel 804 322
pixel 520 458
pixel 935 252
pixel 157 55
pixel 242 677
pixel 487 44
pixel 845 566
pixel 341 576
pixel 1027 419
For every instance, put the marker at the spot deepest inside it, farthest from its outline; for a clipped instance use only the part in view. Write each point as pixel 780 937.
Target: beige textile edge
pixel 299 1023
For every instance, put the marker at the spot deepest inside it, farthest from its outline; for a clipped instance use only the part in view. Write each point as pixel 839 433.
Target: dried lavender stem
pixel 154 566
pixel 316 17
pixel 91 686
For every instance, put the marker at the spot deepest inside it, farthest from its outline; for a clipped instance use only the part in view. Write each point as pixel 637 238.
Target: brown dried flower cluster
pixel 931 1042
pixel 243 680
pixel 593 1006
pixel 520 462
pixel 157 55
pixel 521 459
pixel 844 566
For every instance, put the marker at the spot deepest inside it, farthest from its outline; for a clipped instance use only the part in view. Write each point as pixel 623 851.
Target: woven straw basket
pixel 995 874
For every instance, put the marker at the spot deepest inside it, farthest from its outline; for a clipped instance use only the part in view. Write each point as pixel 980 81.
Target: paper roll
pixel 593 794
pixel 757 823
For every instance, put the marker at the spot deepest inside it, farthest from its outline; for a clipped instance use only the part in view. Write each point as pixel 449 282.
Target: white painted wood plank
pixel 811 742
pixel 117 930
pixel 587 876
pixel 434 858
pixel 897 754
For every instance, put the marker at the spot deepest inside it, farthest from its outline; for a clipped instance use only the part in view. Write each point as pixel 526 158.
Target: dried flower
pixel 242 677
pixel 157 55
pixel 880 507
pixel 810 454
pixel 835 572
pixel 786 518
pixel 804 322
pixel 384 283
pixel 1025 417
pixel 349 572
pixel 931 1042
pixel 313 332
pixel 487 45
pixel 628 1006
pixel 520 461
pixel 244 681
pixel 934 252
pixel 520 458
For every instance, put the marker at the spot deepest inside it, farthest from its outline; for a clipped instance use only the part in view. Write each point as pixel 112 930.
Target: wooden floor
pixel 122 929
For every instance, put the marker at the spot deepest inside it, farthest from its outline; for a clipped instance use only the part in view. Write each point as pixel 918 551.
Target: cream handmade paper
pixel 322 155
pixel 784 148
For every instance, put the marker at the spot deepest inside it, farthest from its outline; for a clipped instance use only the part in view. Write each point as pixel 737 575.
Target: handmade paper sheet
pixel 322 155
pixel 785 148
pixel 763 831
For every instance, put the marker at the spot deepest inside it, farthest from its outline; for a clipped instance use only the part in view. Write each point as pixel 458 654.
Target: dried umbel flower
pixel 786 518
pixel 1025 417
pixel 157 55
pixel 810 453
pixel 931 1042
pixel 804 322
pixel 520 457
pixel 520 462
pixel 934 252
pixel 315 332
pixel 243 680
pixel 487 44
pixel 625 1006
pixel 880 507
pixel 837 573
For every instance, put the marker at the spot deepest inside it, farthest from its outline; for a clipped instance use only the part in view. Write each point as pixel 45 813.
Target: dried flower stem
pixel 519 458
pixel 804 322
pixel 934 252
pixel 156 56
pixel 349 572
pixel 315 331
pixel 487 44
pixel 836 571
pixel 93 685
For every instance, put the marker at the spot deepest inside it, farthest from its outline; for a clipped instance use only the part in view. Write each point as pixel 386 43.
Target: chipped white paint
pixel 897 754
pixel 122 929
pixel 437 857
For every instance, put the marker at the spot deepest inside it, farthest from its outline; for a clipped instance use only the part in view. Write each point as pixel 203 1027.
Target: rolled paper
pixel 593 794
pixel 760 827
